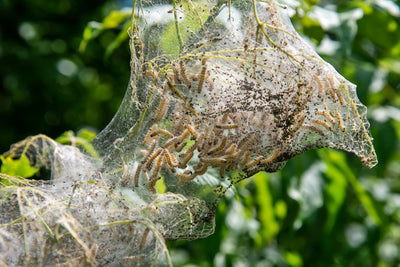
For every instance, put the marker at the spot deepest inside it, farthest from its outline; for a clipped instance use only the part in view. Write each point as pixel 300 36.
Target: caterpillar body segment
pixel 161 110
pixel 245 157
pixel 313 129
pixel 148 135
pixel 152 184
pixel 271 158
pixel 137 174
pixel 253 163
pixel 152 157
pixel 183 74
pixel 326 115
pixel 161 131
pixel 217 147
pixel 340 121
pixel 322 123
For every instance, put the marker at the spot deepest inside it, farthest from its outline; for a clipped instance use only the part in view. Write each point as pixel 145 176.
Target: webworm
pixel 137 174
pixel 232 156
pixel 159 163
pixel 161 131
pixel 253 163
pixel 297 123
pixel 213 161
pixel 178 148
pixel 162 108
pixel 183 74
pixel 218 147
pixel 322 123
pixel 231 149
pixel 341 125
pixel 314 129
pixel 245 157
pixel 326 115
pixel 320 86
pixel 340 96
pixel 183 135
pixel 176 73
pixel 171 160
pixel 150 151
pixel 201 170
pixel 171 142
pixel 226 126
pixel 152 184
pixel 202 75
pixel 148 135
pixel 222 171
pixel 144 238
pixel 185 160
pixel 271 158
pixel 192 131
pixel 150 160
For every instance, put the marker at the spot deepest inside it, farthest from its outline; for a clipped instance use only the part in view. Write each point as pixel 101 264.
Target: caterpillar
pixel 149 162
pixel 271 158
pixel 322 123
pixel 192 131
pixel 326 115
pixel 137 174
pixel 161 131
pixel 314 129
pixel 226 126
pixel 202 75
pixel 340 120
pixel 183 74
pixel 213 160
pixel 162 108
pixel 253 163
pixel 245 157
pixel 218 147
pixel 148 135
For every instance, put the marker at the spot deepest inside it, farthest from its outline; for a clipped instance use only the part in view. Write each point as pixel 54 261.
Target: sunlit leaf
pixel 17 167
pixel 270 226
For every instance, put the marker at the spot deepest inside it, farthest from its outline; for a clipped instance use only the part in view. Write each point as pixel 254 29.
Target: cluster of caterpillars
pixel 220 143
pixel 190 149
pixel 326 120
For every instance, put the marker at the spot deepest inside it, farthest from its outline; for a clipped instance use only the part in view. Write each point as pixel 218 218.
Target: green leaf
pixel 195 16
pixel 86 134
pixel 17 167
pixel 115 18
pixel 335 192
pixel 338 160
pixel 122 36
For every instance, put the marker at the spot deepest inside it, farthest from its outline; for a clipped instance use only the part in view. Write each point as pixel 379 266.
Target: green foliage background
pixel 322 209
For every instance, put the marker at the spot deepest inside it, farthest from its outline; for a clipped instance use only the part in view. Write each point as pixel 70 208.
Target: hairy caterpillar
pixel 271 158
pixel 322 123
pixel 161 131
pixel 202 74
pixel 226 126
pixel 326 115
pixel 148 135
pixel 137 174
pixel 183 74
pixel 218 147
pixel 314 129
pixel 253 163
pixel 162 108
pixel 340 120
